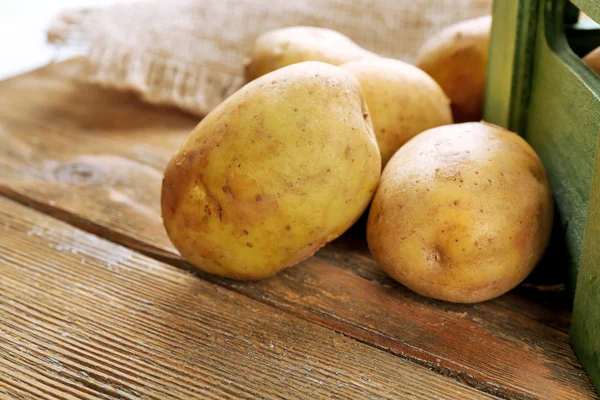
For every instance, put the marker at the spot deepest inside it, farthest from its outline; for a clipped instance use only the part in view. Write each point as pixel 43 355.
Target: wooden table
pixel 96 303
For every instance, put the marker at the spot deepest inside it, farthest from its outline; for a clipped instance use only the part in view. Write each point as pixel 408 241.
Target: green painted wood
pixel 548 95
pixel 590 7
pixel 563 125
pixel 509 64
pixel 585 325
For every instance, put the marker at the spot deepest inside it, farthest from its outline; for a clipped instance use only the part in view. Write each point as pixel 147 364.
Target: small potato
pixel 282 167
pixel 592 59
pixel 462 213
pixel 457 59
pixel 403 100
pixel 282 47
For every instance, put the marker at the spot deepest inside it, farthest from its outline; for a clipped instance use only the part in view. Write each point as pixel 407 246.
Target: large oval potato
pixel 287 46
pixel 457 59
pixel 403 100
pixel 463 213
pixel 283 166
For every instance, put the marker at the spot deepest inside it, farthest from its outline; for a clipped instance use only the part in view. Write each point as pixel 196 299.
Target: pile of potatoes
pixel 461 212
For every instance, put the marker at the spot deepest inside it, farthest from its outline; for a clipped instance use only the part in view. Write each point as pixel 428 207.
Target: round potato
pixel 592 59
pixel 282 47
pixel 462 213
pixel 283 166
pixel 403 101
pixel 457 59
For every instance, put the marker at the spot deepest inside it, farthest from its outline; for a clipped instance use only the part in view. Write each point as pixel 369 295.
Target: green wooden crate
pixel 539 87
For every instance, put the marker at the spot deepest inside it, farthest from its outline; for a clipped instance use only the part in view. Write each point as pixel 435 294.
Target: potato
pixel 592 59
pixel 282 47
pixel 457 59
pixel 402 99
pixel 283 166
pixel 462 213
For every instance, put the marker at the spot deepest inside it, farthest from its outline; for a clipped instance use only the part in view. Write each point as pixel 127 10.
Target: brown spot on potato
pixel 366 115
pixel 245 232
pixel 537 172
pixel 258 198
pixel 436 255
pixel 219 211
pixel 287 228
pixel 249 244
pixel 456 202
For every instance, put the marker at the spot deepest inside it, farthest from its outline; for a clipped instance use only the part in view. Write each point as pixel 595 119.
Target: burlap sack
pixel 189 53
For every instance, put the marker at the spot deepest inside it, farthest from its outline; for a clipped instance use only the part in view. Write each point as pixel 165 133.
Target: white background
pixel 23 25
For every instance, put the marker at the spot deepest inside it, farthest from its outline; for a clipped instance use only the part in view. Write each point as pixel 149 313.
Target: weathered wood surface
pixel 81 317
pixel 94 158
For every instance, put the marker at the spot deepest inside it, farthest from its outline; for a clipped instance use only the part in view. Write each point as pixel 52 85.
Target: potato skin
pixel 283 166
pixel 457 59
pixel 281 47
pixel 592 59
pixel 404 101
pixel 462 213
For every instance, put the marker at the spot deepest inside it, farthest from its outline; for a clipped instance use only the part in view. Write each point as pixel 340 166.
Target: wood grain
pixel 78 157
pixel 83 318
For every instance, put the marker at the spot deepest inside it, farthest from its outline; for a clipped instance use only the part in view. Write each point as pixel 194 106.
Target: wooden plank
pixel 84 318
pixel 590 7
pixel 63 159
pixel 585 332
pixel 509 66
pixel 564 87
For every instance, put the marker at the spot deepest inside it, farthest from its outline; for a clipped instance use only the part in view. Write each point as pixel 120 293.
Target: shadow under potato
pixel 551 270
pixel 553 267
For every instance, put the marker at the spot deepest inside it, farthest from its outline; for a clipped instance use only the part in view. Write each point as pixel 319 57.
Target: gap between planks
pixel 120 328
pixel 327 321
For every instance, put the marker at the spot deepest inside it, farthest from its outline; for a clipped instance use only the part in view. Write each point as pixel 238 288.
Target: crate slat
pixel 585 332
pixel 509 74
pixel 562 123
pixel 590 7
